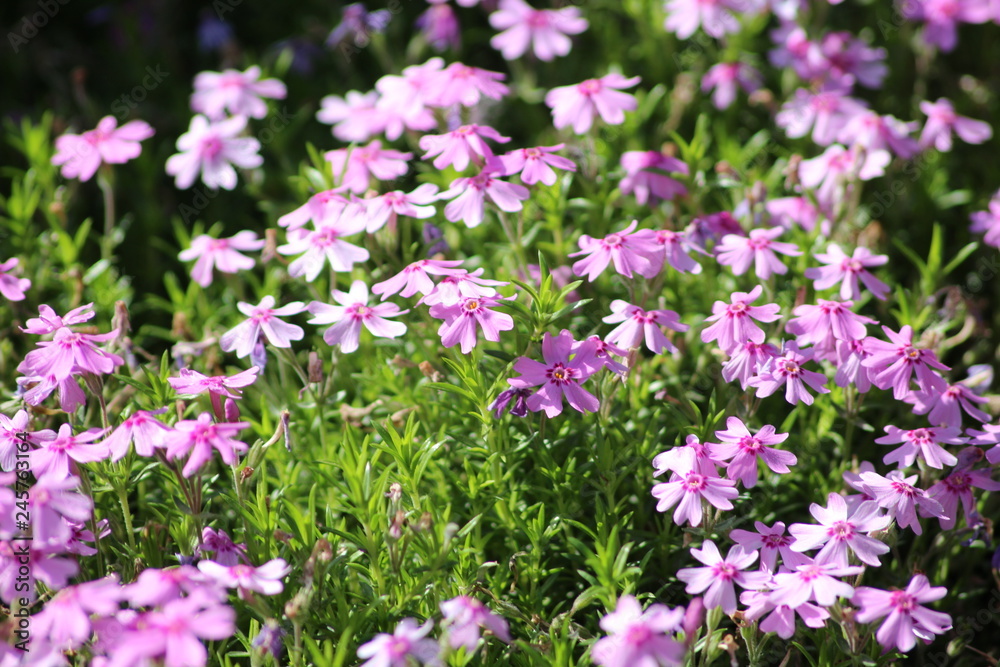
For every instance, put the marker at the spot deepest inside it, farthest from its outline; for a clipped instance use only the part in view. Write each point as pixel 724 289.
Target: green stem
pixel 104 181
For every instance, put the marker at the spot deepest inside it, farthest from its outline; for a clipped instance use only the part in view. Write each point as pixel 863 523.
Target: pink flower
pixel 559 376
pixel 747 360
pixel 235 93
pixel 355 118
pixel 155 588
pixel 743 448
pixel 462 285
pixel 943 16
pixel 688 490
pixel 263 323
pixel 630 251
pixel 11 287
pixel 439 26
pixel 638 638
pixel 353 168
pixel 65 619
pixel 713 16
pixel 847 270
pixel 942 121
pixel 957 487
pixel 831 173
pixel 544 30
pixel 469 196
pixel 461 84
pixel 781 620
pixel 841 529
pixel 41 564
pixel 826 323
pixel 226 552
pixel 193 383
pixel 676 248
pixel 576 106
pixel 906 619
pixel 734 324
pixel 11 431
pixel 825 113
pixel 946 406
pixel 771 542
pixel 212 149
pixel 351 314
pixel 721 575
pixel 265 579
pixel 990 435
pixel 462 319
pixel 323 208
pixel 465 616
pixel 725 77
pixel 172 633
pixel 893 364
pixel 53 506
pixel 645 177
pixel 759 249
pixel 535 164
pixel 460 146
pixel 141 428
pixel 813 580
pixel 48 321
pixel 386 207
pixel 71 353
pixel 81 155
pixel 407 640
pixel 198 437
pixel 841 59
pixel 693 455
pixel 787 370
pixel 223 254
pixel 901 498
pixel 54 456
pixel 638 324
pixel 922 442
pixel 325 244
pixel 988 222
pixel 415 278
pixel 880 133
pixel 789 211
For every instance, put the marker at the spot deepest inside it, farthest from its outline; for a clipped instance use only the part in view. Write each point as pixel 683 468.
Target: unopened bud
pixel 314 368
pixel 270 250
pixel 245 473
pixel 395 492
pixel 396 527
pixel 120 321
pixel 232 410
pixel 286 419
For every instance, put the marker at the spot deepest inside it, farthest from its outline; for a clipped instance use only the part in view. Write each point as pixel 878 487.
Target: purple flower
pixel 841 529
pixel 945 406
pixel 234 93
pixel 687 490
pixel 469 194
pixel 758 249
pixel 54 506
pixel 923 443
pixel 676 248
pixel 12 287
pixel 721 575
pixel 156 587
pixel 140 428
pixel 771 542
pixel 638 638
pixel 645 176
pixel 265 579
pixel 535 164
pixel 813 581
pixel 543 30
pixel 942 121
pixel 897 494
pixel 192 383
pixel 223 254
pixel 262 322
pixel 358 23
pixel 826 323
pixel 715 17
pixel 893 364
pixel 11 431
pixel 71 353
pixel 988 222
pixel 325 244
pixel 957 487
pixel 81 155
pixel 353 168
pixel 628 250
pixel 462 285
pixel 440 27
pixel 733 321
pixel 462 319
pixel 743 448
pixel 54 456
pixel 415 278
pixel 226 551
pixel 638 324
pixel 42 564
pixel 408 640
pixel 825 113
pixel 787 370
pixel 65 619
pixel 461 146
pixel 385 208
pixel 725 77
pixel 323 208
pixel 559 376
pixel 943 16
pixel 460 84
pixel 781 619
pixel 906 619
pixel 504 399
pixel 353 312
pixel 577 106
pixel 48 321
pixel 465 616
pixel 747 360
pixel 847 270
pixel 212 149
pixel 199 437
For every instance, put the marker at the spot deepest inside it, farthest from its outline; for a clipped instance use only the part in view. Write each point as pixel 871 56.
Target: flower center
pixel 841 531
pixel 211 147
pixel 590 87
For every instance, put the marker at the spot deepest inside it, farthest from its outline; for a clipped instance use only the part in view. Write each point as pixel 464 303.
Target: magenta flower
pixel 638 324
pixel 172 633
pixel 262 323
pixel 461 146
pixel 226 552
pixel 39 387
pixel 577 106
pixel 462 319
pixel 199 437
pixel 841 529
pixel 11 431
pixel 842 59
pixel 725 78
pixel 11 287
pixel 771 542
pixel 988 223
pixel 53 506
pixel 155 588
pixel 48 321
pixel 638 638
pixel 543 30
pixel 688 490
pixel 847 270
pixel 54 456
pixel 325 244
pixel 629 250
pixel 462 285
pixel 921 442
pixel 743 448
pixel 747 360
pixel 813 580
pixel 465 616
pixel 825 113
pixel 41 564
pixel 266 579
pixel 535 164
pixel 355 118
pixel 223 254
pixel 65 619
pixel 693 455
pixel 469 196
pixel 906 619
pixel 850 354
pixel 894 364
pixel 217 94
pixel 353 168
pixel 323 208
pixel 990 435
pixel 461 84
pixel 676 248
pixel 140 428
pixel 645 176
pixel 439 26
pixel 957 487
pixel 790 211
pixel 787 370
pixel 559 376
pixel 945 406
pixel 880 133
pixel 415 277
pixel 901 498
pixel 942 121
pixel 781 619
pixel 212 149
pixel 721 575
pixel 758 249
pixel 385 208
pixel 684 17
pixel 192 383
pixel 825 323
pixel 81 154
pixel 734 324
pixel 407 640
pixel 943 16
pixel 71 353
pixel 353 312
